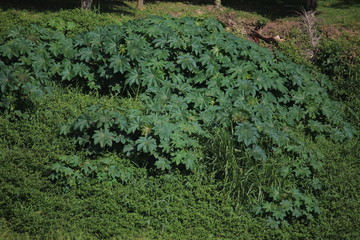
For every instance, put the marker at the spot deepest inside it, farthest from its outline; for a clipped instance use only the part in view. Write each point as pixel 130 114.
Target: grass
pixel 170 207
pixel 340 13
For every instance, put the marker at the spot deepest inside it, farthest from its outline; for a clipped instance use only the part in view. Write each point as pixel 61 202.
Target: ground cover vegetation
pixel 173 128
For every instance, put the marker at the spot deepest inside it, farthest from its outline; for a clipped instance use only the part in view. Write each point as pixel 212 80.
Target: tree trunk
pixel 217 3
pixel 311 5
pixel 86 4
pixel 140 4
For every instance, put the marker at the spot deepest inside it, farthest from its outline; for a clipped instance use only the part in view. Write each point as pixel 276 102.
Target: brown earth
pixel 286 29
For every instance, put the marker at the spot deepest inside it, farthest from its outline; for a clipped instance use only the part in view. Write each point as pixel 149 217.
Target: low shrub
pixel 198 86
pixel 340 60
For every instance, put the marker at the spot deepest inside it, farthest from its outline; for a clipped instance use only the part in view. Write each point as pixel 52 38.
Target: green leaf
pixel 152 77
pixel 279 213
pixel 103 137
pixel 297 212
pixel 163 164
pixel 257 209
pixel 83 122
pixel 269 207
pixel 119 63
pixel 187 62
pixel 246 133
pixel 86 54
pixel 271 222
pixel 133 77
pixel 146 144
pixel 316 126
pixel 7 80
pixel 286 205
pixel 188 158
pixel 80 69
pixel 274 193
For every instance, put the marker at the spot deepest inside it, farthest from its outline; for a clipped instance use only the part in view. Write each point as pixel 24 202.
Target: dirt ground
pixel 285 29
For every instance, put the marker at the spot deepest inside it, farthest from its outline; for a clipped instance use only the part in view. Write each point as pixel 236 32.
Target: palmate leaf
pixel 264 111
pixel 271 222
pixel 316 126
pixel 206 59
pixel 110 46
pixel 7 80
pixel 152 77
pixel 246 87
pixel 68 50
pixel 104 119
pixel 262 81
pixel 121 121
pixel 286 205
pixel 86 54
pixel 188 158
pixel 146 144
pixel 257 152
pixel 337 135
pixel 196 46
pixel 269 207
pixel 164 130
pixel 163 163
pixel 94 38
pixel 103 137
pixel 34 92
pixel 274 193
pixel 154 63
pixel 161 54
pixel 41 62
pixel 9 50
pixel 199 100
pixel 119 63
pixel 176 42
pixel 246 133
pixel 187 62
pixel 83 122
pixel 239 71
pixel 279 213
pixel 67 74
pixel 55 48
pixel 295 113
pixel 160 42
pixel 80 69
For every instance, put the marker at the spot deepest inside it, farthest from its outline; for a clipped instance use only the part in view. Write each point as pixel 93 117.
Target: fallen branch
pixel 257 35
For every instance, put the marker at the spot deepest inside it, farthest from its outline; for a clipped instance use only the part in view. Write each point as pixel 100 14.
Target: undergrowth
pixel 83 160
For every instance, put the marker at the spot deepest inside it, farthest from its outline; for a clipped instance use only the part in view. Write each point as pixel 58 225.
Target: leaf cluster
pixel 71 171
pixel 192 77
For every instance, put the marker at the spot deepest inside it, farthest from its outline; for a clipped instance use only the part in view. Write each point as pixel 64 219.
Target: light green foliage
pixel 342 13
pixel 73 170
pixel 70 22
pixel 192 78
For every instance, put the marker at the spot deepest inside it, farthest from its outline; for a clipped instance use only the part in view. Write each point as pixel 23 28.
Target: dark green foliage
pixel 340 60
pixel 194 80
pixel 72 171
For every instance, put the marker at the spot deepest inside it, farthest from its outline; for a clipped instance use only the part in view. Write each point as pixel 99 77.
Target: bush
pixel 195 81
pixel 339 59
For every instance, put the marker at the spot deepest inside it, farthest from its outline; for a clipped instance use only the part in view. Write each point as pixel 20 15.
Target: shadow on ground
pixel 345 3
pixel 105 6
pixel 272 9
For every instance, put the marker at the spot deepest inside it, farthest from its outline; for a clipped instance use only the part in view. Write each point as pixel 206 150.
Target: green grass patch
pixel 340 13
pixel 245 183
